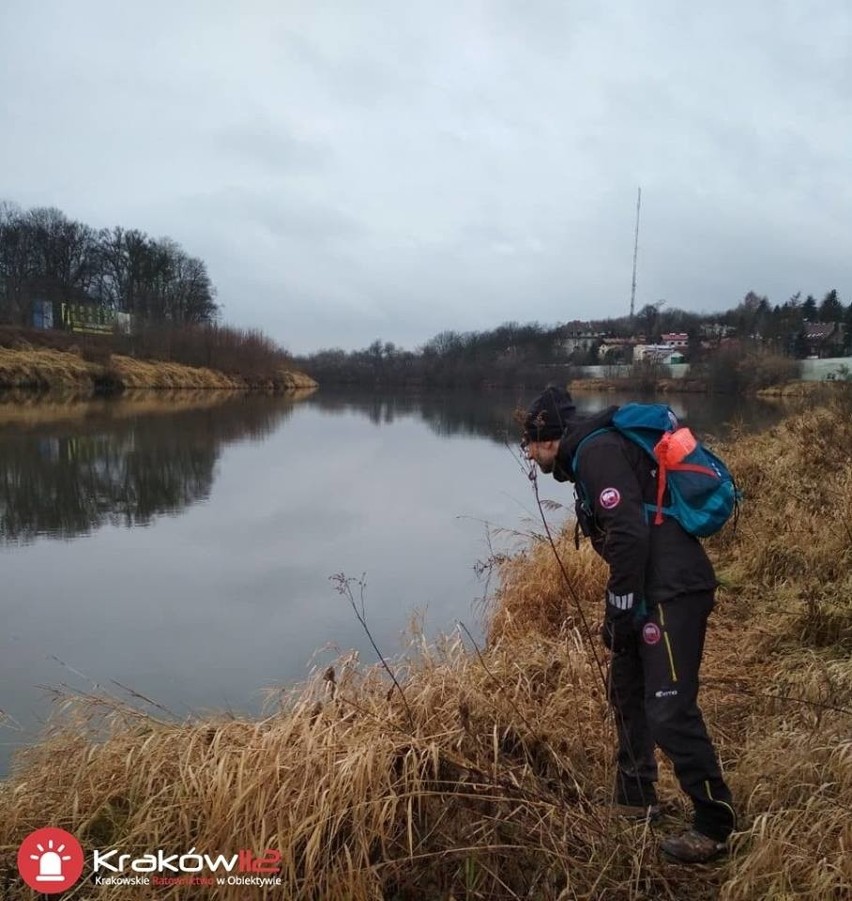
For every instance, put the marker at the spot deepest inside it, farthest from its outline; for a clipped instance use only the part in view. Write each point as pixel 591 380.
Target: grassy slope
pixel 45 368
pixel 490 779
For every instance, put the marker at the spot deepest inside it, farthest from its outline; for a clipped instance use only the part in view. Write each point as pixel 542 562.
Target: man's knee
pixel 672 713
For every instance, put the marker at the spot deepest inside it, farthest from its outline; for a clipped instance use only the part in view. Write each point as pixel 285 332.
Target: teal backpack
pixel 702 491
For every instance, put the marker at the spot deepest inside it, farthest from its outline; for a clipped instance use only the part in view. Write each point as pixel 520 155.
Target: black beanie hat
pixel 548 415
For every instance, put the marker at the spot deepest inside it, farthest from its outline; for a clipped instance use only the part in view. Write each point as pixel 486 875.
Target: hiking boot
pixel 692 847
pixel 636 813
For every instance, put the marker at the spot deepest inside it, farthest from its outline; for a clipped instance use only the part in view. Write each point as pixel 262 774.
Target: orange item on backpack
pixel 671 450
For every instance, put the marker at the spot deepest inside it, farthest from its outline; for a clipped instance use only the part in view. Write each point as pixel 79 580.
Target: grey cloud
pixel 372 170
pixel 274 214
pixel 257 141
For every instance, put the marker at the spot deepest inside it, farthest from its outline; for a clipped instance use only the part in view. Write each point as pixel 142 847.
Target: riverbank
pixel 629 385
pixel 487 776
pixel 45 369
pixel 796 388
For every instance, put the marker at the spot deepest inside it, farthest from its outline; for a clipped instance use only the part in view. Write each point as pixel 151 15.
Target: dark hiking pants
pixel 653 689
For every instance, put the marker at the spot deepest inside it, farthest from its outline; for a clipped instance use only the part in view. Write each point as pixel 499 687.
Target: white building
pixel 657 353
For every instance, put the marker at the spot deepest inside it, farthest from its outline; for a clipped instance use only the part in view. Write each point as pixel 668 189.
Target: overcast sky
pixel 356 169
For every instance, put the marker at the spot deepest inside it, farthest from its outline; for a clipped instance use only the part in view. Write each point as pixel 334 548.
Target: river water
pixel 183 549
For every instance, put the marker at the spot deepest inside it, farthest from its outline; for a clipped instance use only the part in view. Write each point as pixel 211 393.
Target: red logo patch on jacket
pixel 651 633
pixel 609 498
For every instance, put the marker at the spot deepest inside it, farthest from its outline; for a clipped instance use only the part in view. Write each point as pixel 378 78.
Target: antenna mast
pixel 635 254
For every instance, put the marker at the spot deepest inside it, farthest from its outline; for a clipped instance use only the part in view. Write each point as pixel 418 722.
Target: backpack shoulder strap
pixel 644 424
pixel 576 458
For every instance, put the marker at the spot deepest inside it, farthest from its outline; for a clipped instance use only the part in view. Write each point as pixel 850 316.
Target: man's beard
pixel 560 474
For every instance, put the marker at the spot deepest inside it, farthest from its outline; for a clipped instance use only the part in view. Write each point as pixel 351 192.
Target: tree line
pixel 47 257
pixel 512 354
pixel 523 354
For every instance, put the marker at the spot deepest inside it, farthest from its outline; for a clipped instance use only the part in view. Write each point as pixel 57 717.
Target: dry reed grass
pixel 42 369
pixel 801 389
pixel 132 373
pixel 791 564
pixel 27 367
pixel 533 596
pixel 491 780
pixel 483 792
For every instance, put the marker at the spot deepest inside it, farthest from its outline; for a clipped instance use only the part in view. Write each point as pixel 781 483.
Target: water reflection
pixel 491 414
pixel 119 464
pixel 129 461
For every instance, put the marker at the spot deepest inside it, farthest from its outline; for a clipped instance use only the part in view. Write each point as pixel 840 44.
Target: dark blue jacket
pixel 615 479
